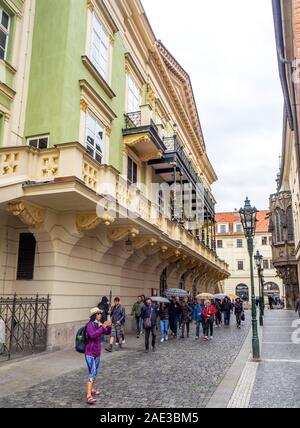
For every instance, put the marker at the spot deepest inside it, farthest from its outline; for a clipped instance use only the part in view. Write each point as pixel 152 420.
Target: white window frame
pixel 94 150
pixel 6 31
pixel 38 138
pixel 136 96
pixel 220 228
pixel 237 265
pixel 237 243
pixel 104 43
pixel 236 225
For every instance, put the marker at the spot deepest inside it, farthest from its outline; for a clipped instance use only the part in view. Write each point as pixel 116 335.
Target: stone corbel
pixel 119 233
pixel 144 241
pixel 31 215
pixel 89 221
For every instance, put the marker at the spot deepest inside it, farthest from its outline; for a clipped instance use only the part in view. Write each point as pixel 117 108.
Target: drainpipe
pixel 289 96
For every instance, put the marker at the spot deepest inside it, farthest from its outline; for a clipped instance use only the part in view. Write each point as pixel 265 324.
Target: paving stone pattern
pixel 181 373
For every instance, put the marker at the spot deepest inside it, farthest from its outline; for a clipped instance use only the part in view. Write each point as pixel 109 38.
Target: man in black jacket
pixel 174 311
pixel 149 316
pixel 227 308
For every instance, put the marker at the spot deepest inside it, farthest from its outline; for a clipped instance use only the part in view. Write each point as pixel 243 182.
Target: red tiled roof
pixel 262 224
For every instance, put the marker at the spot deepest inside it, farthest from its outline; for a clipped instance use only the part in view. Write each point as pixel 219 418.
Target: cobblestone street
pixel 182 373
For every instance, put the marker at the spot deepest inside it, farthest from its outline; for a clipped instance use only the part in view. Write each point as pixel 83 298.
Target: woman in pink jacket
pixel 94 332
pixel 208 314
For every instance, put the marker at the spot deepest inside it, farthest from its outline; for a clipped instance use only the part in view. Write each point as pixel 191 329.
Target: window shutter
pixel 27 245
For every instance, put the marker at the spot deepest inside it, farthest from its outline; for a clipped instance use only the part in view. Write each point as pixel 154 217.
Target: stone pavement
pixel 182 373
pixel 277 381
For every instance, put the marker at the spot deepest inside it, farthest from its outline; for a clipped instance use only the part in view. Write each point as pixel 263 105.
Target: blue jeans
pixel 164 327
pixel 227 318
pixel 93 364
pixel 139 325
pixel 198 324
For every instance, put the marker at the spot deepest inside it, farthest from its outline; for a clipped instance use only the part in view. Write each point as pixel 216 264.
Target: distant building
pixel 232 247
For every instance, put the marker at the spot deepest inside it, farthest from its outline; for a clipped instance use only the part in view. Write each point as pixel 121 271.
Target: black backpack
pixel 81 340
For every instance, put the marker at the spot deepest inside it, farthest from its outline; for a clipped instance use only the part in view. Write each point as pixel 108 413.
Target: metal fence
pixel 23 325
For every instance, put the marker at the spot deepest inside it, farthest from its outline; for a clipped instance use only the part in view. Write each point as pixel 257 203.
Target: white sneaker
pixel 197 338
pixel 211 337
pixel 166 338
pixel 206 338
pixel 162 340
pixel 123 342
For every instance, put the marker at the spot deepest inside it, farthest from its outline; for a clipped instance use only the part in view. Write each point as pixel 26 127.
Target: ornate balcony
pixel 141 133
pixel 66 179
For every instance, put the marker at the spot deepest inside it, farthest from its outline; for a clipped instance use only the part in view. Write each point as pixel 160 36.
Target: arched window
pixel 242 291
pixel 271 287
pixel 163 282
pixel 289 223
pixel 161 202
pixel 182 282
pixel 278 226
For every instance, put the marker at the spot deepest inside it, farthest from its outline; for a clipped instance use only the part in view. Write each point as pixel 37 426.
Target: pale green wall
pixel 54 93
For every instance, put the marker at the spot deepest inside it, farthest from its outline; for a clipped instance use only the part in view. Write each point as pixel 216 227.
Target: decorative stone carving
pixel 119 233
pixel 9 163
pixel 31 215
pixel 144 241
pixel 90 220
pixel 84 105
pixel 50 166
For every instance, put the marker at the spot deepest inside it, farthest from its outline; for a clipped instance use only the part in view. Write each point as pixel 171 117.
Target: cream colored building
pixel 107 116
pixel 232 247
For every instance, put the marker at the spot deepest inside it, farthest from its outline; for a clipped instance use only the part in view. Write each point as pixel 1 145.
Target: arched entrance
pixel 242 291
pixel 271 288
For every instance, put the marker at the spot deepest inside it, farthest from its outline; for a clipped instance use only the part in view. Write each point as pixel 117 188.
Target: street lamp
pixel 248 220
pixel 258 259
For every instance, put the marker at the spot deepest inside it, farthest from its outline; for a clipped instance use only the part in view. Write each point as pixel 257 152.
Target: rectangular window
pixel 223 228
pixel 41 142
pixel 95 138
pixel 264 240
pixel 266 264
pixel 131 171
pixel 271 265
pixel 133 96
pixel 239 243
pixel 4 33
pixel 219 244
pixel 100 47
pixel 27 245
pixel 238 228
pixel 240 265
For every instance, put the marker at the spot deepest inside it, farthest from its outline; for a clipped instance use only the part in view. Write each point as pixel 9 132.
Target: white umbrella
pixel 160 299
pixel 176 292
pixel 220 296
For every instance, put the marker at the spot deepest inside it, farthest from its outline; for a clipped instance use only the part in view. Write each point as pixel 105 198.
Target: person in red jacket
pixel 208 314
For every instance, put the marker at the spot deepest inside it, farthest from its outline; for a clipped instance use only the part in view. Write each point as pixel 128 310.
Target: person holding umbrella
pixel 174 313
pixel 238 310
pixel 149 316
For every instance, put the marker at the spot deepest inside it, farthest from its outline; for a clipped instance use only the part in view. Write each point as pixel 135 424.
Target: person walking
pixel 136 312
pixel 218 307
pixel 104 307
pixel 163 313
pixel 174 313
pixel 297 309
pixel 271 301
pixel 118 320
pixel 208 313
pixel 94 330
pixel 227 308
pixel 198 309
pixel 149 316
pixel 238 310
pixel 186 318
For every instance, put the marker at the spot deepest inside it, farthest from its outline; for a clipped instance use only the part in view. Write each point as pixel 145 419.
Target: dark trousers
pixel 174 323
pixel 209 327
pixel 187 325
pixel 227 317
pixel 238 316
pixel 147 336
pixel 219 318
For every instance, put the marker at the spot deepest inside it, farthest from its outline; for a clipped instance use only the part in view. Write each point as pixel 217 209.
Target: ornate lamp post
pixel 258 259
pixel 248 220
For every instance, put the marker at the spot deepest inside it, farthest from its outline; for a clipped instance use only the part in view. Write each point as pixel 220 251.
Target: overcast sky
pixel 228 48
